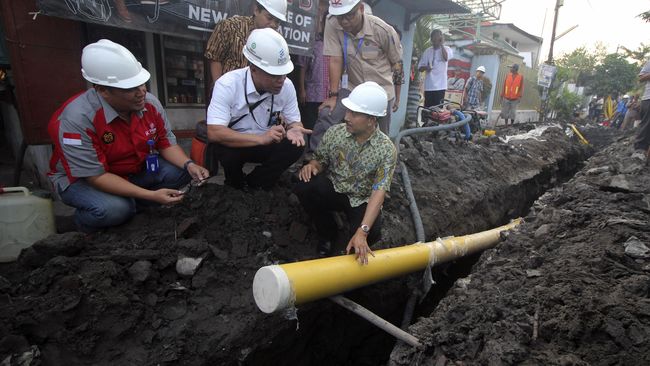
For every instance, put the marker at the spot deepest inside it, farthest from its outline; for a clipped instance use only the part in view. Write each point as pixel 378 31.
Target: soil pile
pixel 571 286
pixel 173 286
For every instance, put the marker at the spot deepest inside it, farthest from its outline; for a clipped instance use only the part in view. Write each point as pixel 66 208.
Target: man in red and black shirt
pixel 104 136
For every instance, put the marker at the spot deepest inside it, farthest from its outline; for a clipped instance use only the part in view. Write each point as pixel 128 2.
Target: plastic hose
pixel 415 213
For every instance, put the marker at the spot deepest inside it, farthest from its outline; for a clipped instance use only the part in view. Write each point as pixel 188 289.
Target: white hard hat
pixel 626 96
pixel 110 64
pixel 368 98
pixel 267 49
pixel 481 68
pixel 340 7
pixel 277 8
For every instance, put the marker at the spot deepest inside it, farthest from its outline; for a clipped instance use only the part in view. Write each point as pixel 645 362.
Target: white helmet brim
pixel 264 65
pixel 343 9
pixel 349 104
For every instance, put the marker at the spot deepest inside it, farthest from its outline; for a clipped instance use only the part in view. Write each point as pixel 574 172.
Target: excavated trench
pixel 326 334
pixel 117 297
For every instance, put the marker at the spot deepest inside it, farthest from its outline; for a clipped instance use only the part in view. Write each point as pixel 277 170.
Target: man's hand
pixel 359 242
pixel 307 172
pixel 396 105
pixel 274 135
pixel 328 103
pixel 197 172
pixel 297 135
pixel 166 196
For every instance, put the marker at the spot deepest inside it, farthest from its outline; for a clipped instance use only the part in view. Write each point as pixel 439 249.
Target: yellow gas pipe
pixel 278 287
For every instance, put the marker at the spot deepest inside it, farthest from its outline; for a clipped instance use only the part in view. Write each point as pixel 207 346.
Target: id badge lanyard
pixel 344 78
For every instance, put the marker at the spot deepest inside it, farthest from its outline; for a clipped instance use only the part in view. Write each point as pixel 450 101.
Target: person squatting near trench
pixel 351 171
pixel 253 115
pixel 230 35
pixel 114 150
pixel 361 47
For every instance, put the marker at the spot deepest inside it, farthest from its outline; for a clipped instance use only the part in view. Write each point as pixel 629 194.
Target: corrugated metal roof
pixel 433 6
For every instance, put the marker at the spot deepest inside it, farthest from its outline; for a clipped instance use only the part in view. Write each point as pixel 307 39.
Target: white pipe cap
pixel 272 289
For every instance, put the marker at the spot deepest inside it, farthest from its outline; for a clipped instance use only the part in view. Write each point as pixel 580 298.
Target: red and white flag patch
pixel 72 138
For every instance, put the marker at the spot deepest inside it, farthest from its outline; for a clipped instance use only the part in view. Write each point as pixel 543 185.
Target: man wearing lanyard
pixel 107 142
pixel 361 48
pixel 253 115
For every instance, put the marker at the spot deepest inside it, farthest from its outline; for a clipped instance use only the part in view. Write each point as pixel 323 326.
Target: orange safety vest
pixel 513 86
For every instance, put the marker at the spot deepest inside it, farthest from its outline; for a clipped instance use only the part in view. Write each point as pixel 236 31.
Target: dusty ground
pixel 561 290
pixel 117 298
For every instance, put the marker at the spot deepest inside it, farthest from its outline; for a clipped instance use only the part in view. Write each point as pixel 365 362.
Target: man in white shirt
pixel 253 115
pixel 434 63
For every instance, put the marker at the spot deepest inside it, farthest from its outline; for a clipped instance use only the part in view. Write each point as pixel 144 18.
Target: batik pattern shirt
pixel 357 170
pixel 227 42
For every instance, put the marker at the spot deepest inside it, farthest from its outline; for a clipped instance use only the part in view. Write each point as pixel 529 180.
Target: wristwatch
pixel 365 228
pixel 333 94
pixel 187 163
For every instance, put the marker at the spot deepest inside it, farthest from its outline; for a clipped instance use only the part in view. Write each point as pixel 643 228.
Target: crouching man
pixel 351 172
pixel 253 115
pixel 113 144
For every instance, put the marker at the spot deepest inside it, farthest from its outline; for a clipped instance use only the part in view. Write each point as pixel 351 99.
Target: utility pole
pixel 550 61
pixel 558 3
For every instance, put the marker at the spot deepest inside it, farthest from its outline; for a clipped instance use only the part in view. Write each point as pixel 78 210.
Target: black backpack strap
pixel 251 108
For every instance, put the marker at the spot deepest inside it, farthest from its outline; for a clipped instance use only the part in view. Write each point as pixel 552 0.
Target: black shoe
pixel 324 248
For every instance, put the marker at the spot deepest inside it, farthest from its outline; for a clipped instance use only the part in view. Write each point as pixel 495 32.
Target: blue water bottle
pixel 152 158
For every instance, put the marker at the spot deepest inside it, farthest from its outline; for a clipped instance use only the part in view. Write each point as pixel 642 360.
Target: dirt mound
pixel 135 295
pixel 569 287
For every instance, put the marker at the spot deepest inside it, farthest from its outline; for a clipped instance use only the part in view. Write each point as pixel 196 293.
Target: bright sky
pixel 611 22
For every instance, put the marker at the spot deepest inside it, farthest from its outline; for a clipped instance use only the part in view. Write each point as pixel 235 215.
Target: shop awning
pixel 418 8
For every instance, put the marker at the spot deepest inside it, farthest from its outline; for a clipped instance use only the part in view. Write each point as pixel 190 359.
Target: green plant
pixel 563 103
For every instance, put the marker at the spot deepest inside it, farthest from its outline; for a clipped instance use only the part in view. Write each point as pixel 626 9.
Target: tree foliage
pixel 563 102
pixel 640 55
pixel 578 66
pixel 614 76
pixel 422 35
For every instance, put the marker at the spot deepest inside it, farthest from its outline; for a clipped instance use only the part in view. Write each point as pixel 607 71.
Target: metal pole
pixel 550 50
pixel 377 321
pixel 550 61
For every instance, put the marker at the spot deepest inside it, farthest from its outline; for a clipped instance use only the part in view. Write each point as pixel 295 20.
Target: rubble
pixel 120 297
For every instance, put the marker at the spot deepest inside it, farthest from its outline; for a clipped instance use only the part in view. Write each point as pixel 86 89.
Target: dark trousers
pixel 319 199
pixel 309 114
pixel 275 159
pixel 433 97
pixel 642 141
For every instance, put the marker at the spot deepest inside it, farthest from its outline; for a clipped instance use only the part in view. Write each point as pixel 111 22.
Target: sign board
pixel 545 75
pixel 455 96
pixel 193 19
